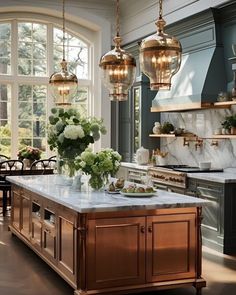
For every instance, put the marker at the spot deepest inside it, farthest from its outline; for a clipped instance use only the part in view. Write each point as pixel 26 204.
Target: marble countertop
pixel 52 187
pixel 227 176
pixel 135 166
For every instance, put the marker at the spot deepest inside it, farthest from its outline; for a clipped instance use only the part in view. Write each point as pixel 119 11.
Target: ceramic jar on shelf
pixel 157 128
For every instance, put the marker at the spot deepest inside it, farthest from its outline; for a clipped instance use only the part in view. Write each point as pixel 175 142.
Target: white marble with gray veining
pixel 228 176
pixel 85 201
pixel 204 124
pixel 135 166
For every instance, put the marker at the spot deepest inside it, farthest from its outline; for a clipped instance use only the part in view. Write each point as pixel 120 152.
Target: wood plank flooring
pixel 23 273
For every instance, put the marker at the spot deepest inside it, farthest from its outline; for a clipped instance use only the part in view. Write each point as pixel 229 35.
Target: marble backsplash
pixel 204 124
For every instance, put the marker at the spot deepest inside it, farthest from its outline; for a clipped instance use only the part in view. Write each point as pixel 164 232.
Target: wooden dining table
pixel 6 186
pixel 26 171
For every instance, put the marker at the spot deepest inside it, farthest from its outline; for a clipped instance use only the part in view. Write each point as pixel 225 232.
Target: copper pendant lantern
pixel 63 84
pixel 118 67
pixel 160 56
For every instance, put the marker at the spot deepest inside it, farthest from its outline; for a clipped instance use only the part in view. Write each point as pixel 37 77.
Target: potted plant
pixel 29 154
pixel 230 124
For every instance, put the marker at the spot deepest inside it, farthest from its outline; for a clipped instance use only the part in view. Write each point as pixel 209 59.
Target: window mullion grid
pixel 50 70
pixel 14 90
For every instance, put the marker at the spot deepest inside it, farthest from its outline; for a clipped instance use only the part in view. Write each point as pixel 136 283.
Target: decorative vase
pixel 77 183
pixel 97 182
pixel 157 128
pixel 161 160
pixel 28 162
pixel 67 169
pixel 233 130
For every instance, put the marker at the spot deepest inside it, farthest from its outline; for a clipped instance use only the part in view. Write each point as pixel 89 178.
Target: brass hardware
pixel 150 229
pixel 142 229
pixel 198 144
pixel 215 143
pixel 186 142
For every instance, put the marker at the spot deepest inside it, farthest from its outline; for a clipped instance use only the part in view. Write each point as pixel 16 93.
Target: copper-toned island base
pixel 117 252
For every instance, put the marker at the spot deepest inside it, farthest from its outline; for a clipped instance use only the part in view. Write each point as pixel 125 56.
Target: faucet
pixel 186 142
pixel 199 143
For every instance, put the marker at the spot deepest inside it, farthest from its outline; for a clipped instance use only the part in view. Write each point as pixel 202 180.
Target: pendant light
pixel 118 67
pixel 63 84
pixel 160 56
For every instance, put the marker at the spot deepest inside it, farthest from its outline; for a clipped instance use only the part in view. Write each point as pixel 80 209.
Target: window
pixel 29 53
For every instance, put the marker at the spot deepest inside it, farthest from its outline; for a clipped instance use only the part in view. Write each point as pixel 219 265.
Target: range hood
pixel 202 73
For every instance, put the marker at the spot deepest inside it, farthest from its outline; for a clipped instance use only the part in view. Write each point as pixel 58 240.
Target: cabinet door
pixel 115 252
pixel 25 215
pixel 49 242
pixel 16 205
pixel 36 222
pixel 49 229
pixel 67 243
pixel 171 247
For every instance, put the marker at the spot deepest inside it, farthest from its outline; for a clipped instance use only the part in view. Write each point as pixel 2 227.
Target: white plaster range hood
pixel 202 73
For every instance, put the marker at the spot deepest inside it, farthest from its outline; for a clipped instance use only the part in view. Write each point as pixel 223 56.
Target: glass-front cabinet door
pixel 136 119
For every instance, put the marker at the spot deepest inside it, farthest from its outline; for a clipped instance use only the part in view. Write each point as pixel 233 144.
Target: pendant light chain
pixel 160 9
pixel 117 18
pixel 63 28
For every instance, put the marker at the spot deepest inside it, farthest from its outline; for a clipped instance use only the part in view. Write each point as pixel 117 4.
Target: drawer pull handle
pixel 150 229
pixel 142 229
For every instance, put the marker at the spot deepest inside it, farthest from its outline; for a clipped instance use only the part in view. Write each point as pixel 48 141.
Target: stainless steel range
pixel 166 178
pixel 174 177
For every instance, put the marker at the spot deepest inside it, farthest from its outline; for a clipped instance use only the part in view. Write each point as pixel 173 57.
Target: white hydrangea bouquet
pixel 70 133
pixel 98 165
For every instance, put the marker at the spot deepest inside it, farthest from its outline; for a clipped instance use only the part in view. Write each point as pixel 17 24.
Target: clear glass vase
pixel 96 182
pixel 66 168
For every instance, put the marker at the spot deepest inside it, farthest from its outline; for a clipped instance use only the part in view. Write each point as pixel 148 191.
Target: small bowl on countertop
pixel 205 165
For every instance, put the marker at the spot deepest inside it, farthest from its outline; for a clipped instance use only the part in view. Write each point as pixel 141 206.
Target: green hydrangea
pixel 98 165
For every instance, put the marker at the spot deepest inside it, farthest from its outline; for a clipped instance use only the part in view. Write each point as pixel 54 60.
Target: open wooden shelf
pixel 173 135
pixel 162 135
pixel 225 103
pixel 223 136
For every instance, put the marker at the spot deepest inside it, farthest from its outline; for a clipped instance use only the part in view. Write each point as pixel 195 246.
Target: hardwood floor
pixel 23 273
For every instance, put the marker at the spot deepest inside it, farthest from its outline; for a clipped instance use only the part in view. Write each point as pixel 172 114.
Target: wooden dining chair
pixel 8 168
pixel 52 158
pixel 3 158
pixel 43 164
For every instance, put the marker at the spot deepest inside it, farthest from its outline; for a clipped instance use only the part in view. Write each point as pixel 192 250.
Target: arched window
pixel 29 53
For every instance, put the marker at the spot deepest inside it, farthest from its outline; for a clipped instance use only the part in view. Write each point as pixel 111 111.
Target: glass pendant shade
pixel 160 57
pixel 118 71
pixel 63 86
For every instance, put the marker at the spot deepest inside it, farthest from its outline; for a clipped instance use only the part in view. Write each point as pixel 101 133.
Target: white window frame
pixel 15 80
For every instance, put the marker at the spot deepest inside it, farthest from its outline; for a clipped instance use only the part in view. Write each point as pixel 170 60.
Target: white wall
pixel 139 16
pixel 90 19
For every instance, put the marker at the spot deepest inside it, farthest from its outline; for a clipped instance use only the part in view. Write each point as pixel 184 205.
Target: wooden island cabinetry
pixel 107 249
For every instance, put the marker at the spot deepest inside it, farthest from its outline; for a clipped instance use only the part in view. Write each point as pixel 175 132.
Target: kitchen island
pixel 104 243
